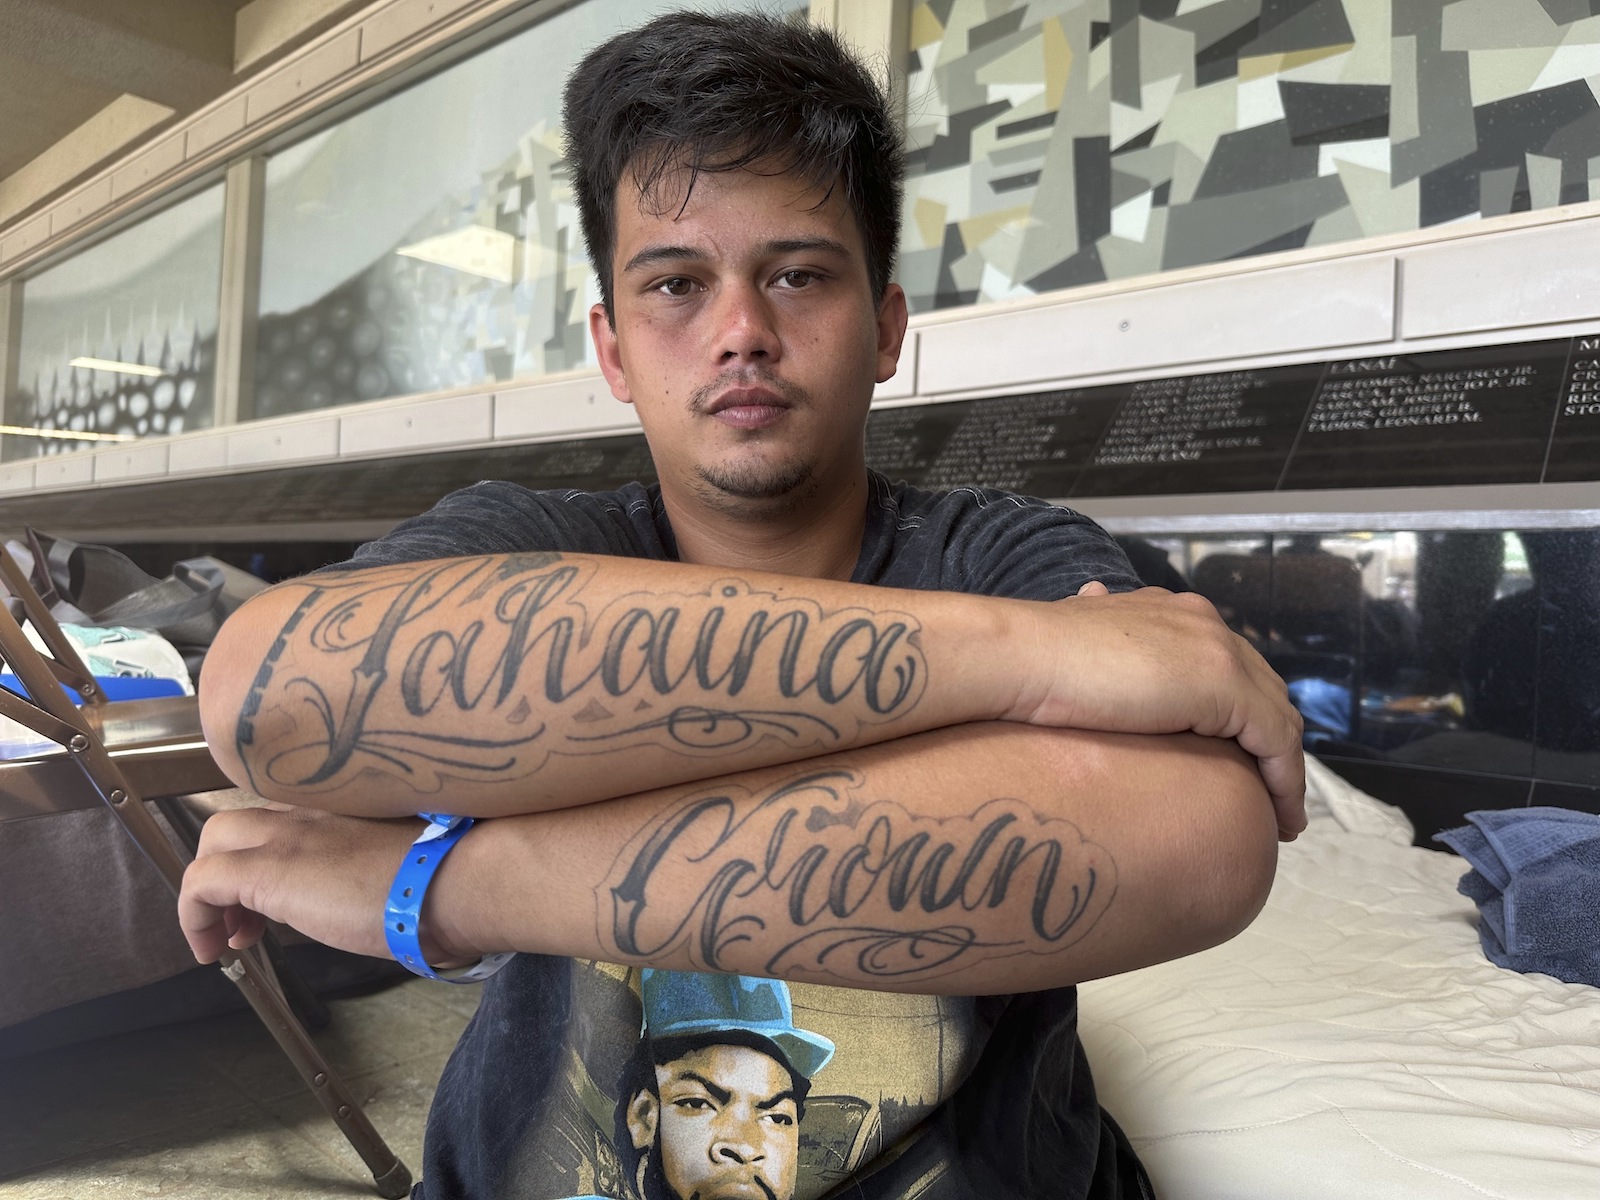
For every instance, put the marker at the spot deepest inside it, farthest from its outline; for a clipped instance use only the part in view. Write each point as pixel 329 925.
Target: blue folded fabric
pixel 1536 882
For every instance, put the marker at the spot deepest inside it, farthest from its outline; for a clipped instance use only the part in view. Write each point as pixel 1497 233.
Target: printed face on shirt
pixel 726 1125
pixel 746 337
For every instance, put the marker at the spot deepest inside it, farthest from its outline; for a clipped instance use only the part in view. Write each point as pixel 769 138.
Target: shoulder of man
pixel 501 517
pixel 986 541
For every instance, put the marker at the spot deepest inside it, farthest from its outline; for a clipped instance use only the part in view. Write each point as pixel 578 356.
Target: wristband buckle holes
pixel 402 917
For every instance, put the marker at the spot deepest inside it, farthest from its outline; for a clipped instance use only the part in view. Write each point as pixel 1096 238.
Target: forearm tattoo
pixel 386 672
pixel 808 881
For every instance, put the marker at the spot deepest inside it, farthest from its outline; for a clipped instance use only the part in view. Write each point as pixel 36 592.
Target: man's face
pixel 746 336
pixel 727 1126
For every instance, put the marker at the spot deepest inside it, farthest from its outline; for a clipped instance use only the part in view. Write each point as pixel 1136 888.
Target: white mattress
pixel 1354 1042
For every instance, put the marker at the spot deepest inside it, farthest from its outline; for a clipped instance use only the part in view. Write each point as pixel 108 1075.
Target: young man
pixel 775 717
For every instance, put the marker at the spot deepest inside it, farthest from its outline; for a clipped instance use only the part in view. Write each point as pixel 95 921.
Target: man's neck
pixel 819 540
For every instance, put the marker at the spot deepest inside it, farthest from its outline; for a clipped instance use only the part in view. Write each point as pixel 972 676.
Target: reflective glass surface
pixel 119 341
pixel 1444 671
pixel 1566 564
pixel 432 241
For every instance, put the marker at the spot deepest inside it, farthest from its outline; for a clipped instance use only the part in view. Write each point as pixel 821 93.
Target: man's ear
pixel 608 352
pixel 892 317
pixel 643 1111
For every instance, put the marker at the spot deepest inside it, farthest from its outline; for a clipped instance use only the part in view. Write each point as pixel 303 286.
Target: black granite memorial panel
pixel 1434 800
pixel 904 442
pixel 363 490
pixel 1225 432
pixel 1566 727
pixel 1426 657
pixel 1481 415
pixel 1460 693
pixel 1565 795
pixel 1575 444
pixel 590 465
pixel 1034 444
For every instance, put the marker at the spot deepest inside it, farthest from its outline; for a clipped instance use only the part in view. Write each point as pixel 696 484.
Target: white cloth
pixel 1354 1042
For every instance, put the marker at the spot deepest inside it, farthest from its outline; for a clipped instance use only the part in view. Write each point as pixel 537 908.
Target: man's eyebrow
pixel 652 256
pixel 786 1094
pixel 805 245
pixel 719 1094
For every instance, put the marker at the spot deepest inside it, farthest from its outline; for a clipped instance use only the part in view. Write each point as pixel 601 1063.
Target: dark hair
pixel 726 93
pixel 639 1075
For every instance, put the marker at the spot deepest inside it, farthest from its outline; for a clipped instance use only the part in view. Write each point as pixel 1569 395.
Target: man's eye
pixel 778 1118
pixel 676 286
pixel 693 1103
pixel 797 278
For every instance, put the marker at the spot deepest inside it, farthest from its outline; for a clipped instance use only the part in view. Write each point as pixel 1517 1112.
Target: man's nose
pixel 745 327
pixel 733 1147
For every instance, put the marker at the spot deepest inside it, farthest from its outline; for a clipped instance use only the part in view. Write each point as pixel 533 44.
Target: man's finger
pixel 249 930
pixel 206 932
pixel 209 912
pixel 1284 773
pixel 1285 778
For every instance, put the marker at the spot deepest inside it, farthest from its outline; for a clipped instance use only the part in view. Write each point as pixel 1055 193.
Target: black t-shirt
pixel 938 1098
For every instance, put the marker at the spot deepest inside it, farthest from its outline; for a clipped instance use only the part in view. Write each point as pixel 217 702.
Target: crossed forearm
pixel 744 772
pixel 991 857
pixel 493 685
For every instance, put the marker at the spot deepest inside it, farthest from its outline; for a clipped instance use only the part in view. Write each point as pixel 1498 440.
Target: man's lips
pixel 748 408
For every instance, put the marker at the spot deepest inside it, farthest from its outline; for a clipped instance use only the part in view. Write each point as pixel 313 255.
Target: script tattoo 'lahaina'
pixel 831 888
pixel 510 641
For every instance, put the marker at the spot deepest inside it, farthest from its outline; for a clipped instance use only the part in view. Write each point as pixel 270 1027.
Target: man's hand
pixel 325 875
pixel 1153 662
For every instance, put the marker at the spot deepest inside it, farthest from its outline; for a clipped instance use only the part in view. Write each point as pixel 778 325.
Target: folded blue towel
pixel 1570 966
pixel 1536 882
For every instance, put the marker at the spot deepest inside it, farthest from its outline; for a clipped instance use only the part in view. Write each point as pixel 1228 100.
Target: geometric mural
pixel 1065 142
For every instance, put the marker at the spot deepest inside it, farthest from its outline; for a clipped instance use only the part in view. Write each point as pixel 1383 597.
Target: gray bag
pixel 85 584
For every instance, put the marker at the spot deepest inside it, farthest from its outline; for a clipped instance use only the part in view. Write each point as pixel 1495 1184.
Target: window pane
pixel 121 339
pixel 432 241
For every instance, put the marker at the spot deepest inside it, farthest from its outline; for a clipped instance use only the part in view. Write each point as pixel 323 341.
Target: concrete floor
pixel 169 1111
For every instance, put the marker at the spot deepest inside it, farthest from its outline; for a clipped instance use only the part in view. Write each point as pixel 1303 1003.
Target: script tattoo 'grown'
pixel 807 881
pixel 484 667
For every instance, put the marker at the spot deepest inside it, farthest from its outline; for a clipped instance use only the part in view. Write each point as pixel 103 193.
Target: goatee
pixel 750 482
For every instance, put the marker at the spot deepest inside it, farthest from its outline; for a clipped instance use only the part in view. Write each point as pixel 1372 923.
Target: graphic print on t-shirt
pixel 713 1084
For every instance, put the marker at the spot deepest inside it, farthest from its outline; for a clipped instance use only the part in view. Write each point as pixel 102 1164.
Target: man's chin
pixel 759 490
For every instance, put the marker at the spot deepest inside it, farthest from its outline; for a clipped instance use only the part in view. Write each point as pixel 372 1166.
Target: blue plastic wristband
pixel 403 912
